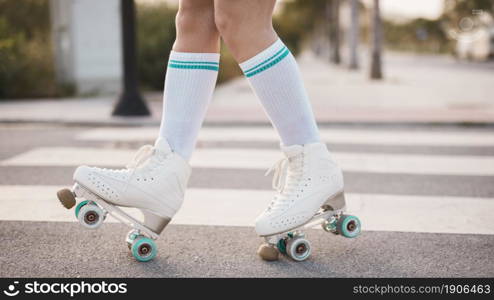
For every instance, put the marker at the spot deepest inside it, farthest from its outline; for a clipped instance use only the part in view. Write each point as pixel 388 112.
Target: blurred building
pixel 87 44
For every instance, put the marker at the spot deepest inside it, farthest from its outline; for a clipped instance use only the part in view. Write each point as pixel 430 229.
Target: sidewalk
pixel 416 89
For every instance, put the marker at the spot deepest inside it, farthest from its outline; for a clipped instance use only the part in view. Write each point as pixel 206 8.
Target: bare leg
pixel 196 30
pixel 191 75
pixel 246 27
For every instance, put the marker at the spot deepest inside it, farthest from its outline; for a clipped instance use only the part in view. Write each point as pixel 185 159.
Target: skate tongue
pixel 162 146
pixel 291 151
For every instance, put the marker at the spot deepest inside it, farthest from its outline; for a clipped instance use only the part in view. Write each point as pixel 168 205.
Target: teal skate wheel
pixel 281 245
pixel 144 249
pixel 79 206
pixel 348 226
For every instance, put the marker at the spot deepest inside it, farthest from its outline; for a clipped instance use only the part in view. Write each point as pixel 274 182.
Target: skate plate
pixel 114 211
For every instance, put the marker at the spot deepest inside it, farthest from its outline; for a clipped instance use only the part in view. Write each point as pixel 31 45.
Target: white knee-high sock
pixel 276 80
pixel 189 84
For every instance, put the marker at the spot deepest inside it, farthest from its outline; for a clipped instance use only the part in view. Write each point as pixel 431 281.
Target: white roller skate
pixel 154 182
pixel 309 188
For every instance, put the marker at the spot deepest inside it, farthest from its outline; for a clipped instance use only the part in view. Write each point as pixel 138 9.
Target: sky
pixel 430 9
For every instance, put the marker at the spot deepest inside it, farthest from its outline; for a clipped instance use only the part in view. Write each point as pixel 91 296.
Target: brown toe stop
pixel 67 198
pixel 268 252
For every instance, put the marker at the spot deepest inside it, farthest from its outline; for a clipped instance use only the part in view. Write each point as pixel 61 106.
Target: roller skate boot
pixel 154 182
pixel 309 188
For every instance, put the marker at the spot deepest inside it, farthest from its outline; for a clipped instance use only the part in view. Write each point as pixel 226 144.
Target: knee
pixel 195 17
pixel 228 23
pixel 237 26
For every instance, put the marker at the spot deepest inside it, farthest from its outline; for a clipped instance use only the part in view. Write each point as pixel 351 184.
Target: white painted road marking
pixel 240 207
pixel 234 158
pixel 330 135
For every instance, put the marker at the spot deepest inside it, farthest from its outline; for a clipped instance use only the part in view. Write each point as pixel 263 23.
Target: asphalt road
pixel 67 250
pixel 453 238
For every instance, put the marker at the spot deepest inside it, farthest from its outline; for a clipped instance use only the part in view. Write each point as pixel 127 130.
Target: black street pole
pixel 130 102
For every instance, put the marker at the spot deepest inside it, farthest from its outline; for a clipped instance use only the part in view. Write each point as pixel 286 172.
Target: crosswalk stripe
pixel 233 158
pixel 240 207
pixel 331 135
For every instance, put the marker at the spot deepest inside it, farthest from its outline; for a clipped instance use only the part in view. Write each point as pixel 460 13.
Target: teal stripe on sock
pixel 266 61
pixel 194 62
pixel 274 62
pixel 204 67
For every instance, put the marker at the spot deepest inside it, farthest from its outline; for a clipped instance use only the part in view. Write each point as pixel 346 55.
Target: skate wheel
pixel 79 206
pixel 281 245
pixel 67 198
pixel 268 252
pixel 298 248
pixel 349 226
pixel 144 249
pixel 91 216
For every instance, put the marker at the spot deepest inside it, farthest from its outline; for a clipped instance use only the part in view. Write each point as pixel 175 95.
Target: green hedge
pixel 26 68
pixel 156 34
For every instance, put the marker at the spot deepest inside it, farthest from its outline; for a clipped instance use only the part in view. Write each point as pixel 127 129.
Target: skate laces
pixel 141 156
pixel 287 173
pixel 279 173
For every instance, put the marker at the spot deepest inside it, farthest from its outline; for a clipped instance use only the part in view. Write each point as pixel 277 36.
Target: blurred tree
pixel 353 36
pixel 298 19
pixel 155 37
pixel 31 18
pixel 333 15
pixel 376 43
pixel 317 20
pixel 26 68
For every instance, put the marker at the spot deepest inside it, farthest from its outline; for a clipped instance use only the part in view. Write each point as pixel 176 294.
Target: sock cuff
pixel 189 60
pixel 265 59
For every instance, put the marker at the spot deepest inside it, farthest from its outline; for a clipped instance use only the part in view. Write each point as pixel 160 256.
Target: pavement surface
pixel 47 249
pixel 426 201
